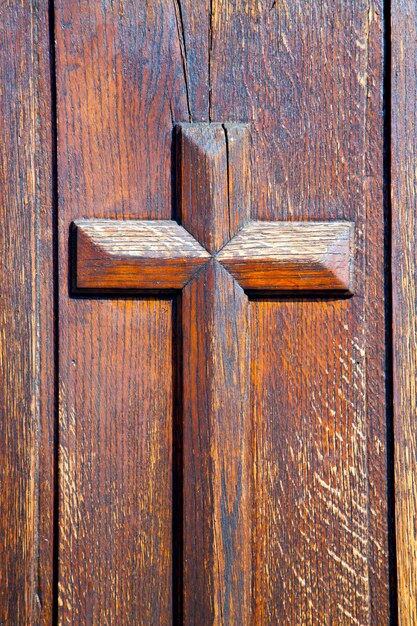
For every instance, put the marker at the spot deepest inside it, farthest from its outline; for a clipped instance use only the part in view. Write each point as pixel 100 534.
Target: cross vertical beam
pixel 215 257
pixel 214 204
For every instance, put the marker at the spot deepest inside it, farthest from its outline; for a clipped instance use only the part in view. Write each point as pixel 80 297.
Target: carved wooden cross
pixel 215 257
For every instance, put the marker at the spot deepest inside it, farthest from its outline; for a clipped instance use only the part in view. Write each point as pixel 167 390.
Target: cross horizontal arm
pixel 292 256
pixel 116 254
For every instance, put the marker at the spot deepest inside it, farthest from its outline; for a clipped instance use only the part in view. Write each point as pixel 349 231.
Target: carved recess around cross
pixel 214 210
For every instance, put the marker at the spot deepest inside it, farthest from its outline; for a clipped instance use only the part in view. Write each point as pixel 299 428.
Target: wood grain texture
pixel 213 181
pixel 216 445
pixel 404 263
pixel 158 254
pixel 216 451
pixel 373 259
pixel 308 78
pixel 311 531
pixel 119 86
pixel 135 254
pixel 216 431
pixel 26 316
pixel 292 256
pixel 193 29
pixel 115 465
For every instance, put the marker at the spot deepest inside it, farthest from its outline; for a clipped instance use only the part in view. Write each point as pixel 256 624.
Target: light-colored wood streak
pixel 135 254
pixel 292 256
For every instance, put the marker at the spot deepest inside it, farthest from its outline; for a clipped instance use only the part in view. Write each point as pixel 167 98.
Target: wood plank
pixel 216 451
pixel 308 78
pixel 216 426
pixel 115 463
pixel 378 326
pixel 135 254
pixel 117 98
pixel 404 263
pixel 26 317
pixel 292 256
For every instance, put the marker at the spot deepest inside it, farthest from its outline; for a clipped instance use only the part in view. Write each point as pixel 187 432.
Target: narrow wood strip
pixel 26 311
pixel 143 254
pixel 404 263
pixel 213 186
pixel 216 451
pixel 292 256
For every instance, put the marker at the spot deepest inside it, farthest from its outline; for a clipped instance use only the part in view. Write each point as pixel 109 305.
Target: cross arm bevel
pixel 292 256
pixel 134 254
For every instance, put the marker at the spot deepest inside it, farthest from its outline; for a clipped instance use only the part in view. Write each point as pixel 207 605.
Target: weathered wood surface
pixel 119 84
pixel 404 263
pixel 308 78
pixel 135 254
pixel 213 177
pixel 26 310
pixel 216 472
pixel 160 254
pixel 292 256
pixel 115 464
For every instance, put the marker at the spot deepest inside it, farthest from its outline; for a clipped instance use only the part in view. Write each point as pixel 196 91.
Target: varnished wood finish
pixel 119 82
pixel 26 317
pixel 313 542
pixel 404 263
pixel 292 256
pixel 308 78
pixel 217 509
pixel 144 254
pixel 268 256
pixel 216 425
pixel 216 431
pixel 213 181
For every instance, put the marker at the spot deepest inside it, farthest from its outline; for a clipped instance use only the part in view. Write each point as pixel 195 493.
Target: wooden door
pixel 211 318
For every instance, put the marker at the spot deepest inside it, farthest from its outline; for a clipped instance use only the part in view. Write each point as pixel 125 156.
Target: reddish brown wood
pixel 404 263
pixel 193 31
pixel 312 546
pixel 292 256
pixel 308 78
pixel 217 510
pixel 119 84
pixel 216 425
pixel 26 317
pixel 115 464
pixel 308 544
pixel 268 256
pixel 213 181
pixel 132 254
pixel 216 446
